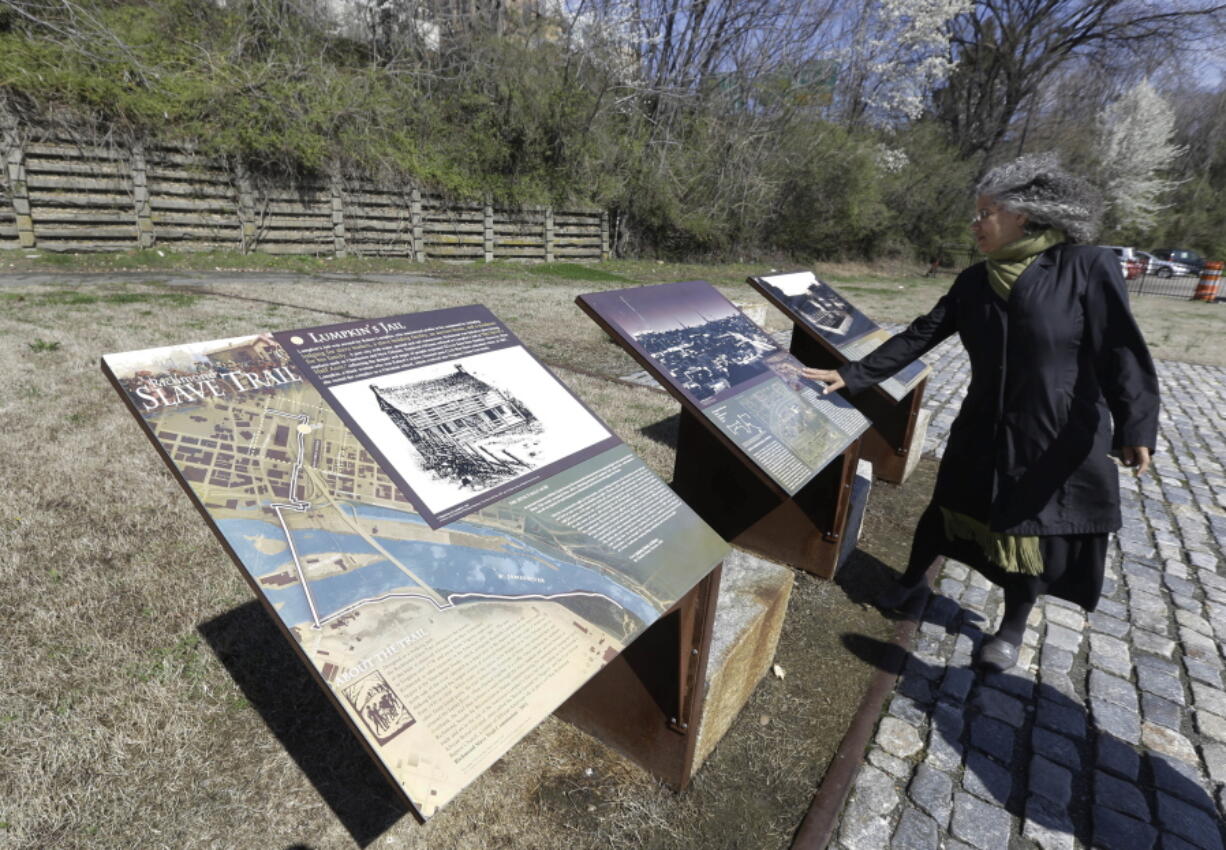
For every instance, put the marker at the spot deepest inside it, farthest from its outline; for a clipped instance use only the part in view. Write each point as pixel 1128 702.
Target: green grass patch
pixel 59 261
pixel 160 259
pixel 180 660
pixel 575 271
pixel 40 344
pixel 74 298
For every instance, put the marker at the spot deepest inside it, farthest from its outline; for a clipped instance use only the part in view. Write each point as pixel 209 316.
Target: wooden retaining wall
pixel 8 217
pixel 62 196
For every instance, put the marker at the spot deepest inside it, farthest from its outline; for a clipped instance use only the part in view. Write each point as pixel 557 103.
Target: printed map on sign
pixel 443 646
pixel 819 308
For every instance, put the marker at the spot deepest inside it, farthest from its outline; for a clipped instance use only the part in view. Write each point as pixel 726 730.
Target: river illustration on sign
pixel 444 646
pixel 819 307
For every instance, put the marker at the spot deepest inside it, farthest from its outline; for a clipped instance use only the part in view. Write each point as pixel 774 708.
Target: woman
pixel 1027 493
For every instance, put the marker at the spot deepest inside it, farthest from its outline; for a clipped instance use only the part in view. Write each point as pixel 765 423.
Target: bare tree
pixel 893 55
pixel 1005 50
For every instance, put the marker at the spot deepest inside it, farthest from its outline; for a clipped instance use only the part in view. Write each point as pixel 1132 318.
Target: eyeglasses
pixel 983 214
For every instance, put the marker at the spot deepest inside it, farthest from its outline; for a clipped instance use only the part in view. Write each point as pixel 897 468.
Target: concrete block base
pixel 861 486
pixel 918 438
pixel 753 598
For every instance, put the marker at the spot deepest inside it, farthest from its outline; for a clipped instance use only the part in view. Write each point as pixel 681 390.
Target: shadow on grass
pixel 1041 755
pixel 296 710
pixel 663 432
pixel 864 577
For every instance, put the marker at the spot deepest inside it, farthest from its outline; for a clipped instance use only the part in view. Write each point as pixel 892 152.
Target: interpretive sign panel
pixel 711 356
pixel 825 313
pixel 456 411
pixel 441 646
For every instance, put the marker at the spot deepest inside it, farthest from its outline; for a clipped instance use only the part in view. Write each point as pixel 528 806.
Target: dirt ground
pixel 150 701
pixel 888 290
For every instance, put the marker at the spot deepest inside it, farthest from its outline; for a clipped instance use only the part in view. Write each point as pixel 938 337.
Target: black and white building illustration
pixel 463 428
pixel 820 306
pixel 826 310
pixel 465 431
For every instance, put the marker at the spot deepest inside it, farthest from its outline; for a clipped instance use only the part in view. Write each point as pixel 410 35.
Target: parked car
pixel 1130 265
pixel 1161 268
pixel 1181 256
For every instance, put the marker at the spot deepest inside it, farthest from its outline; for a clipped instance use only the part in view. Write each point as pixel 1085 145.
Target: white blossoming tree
pixel 1137 151
pixel 898 54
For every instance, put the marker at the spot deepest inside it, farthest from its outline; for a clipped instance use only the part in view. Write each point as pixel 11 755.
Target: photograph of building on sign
pixel 752 391
pixel 695 335
pixel 460 429
pixel 824 312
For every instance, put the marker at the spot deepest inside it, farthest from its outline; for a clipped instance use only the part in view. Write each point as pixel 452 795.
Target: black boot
pixel 998 654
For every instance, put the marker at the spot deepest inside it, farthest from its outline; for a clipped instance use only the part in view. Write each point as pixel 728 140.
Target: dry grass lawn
pixel 149 701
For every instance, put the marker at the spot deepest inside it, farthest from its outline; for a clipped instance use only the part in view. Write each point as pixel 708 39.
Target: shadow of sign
pixel 296 710
pixel 663 432
pixel 1033 752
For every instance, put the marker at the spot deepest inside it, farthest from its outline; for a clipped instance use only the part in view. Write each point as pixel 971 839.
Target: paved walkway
pixel 1111 731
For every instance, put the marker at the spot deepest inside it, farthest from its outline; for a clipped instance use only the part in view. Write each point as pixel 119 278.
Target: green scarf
pixel 1007 263
pixel 1013 553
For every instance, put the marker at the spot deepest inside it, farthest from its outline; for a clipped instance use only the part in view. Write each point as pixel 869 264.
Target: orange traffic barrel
pixel 1206 287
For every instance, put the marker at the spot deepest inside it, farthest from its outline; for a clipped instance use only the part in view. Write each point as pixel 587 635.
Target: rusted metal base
pixel 888 443
pixel 647 702
pixel 804 531
pixel 817 828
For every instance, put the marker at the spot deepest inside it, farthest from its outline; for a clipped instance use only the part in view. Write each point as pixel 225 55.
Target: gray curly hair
pixel 1036 186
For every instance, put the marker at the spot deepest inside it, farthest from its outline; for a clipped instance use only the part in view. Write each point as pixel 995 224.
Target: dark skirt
pixel 1073 564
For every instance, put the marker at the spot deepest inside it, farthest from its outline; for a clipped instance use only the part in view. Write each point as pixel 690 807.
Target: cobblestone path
pixel 1111 731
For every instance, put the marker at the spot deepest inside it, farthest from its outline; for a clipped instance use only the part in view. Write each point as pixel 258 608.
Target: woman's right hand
pixel 829 377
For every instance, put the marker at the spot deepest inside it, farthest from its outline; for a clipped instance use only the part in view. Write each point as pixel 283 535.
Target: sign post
pixel 451 542
pixel 762 455
pixel 647 702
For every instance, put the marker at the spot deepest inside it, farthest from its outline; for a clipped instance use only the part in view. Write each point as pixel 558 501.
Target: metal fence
pixel 954 258
pixel 1180 286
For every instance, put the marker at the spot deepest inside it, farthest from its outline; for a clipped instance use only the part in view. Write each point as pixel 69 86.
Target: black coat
pixel 1050 369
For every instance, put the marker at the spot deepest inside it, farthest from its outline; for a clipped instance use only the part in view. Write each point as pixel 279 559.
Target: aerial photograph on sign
pixel 697 337
pixel 751 390
pixel 442 646
pixel 818 307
